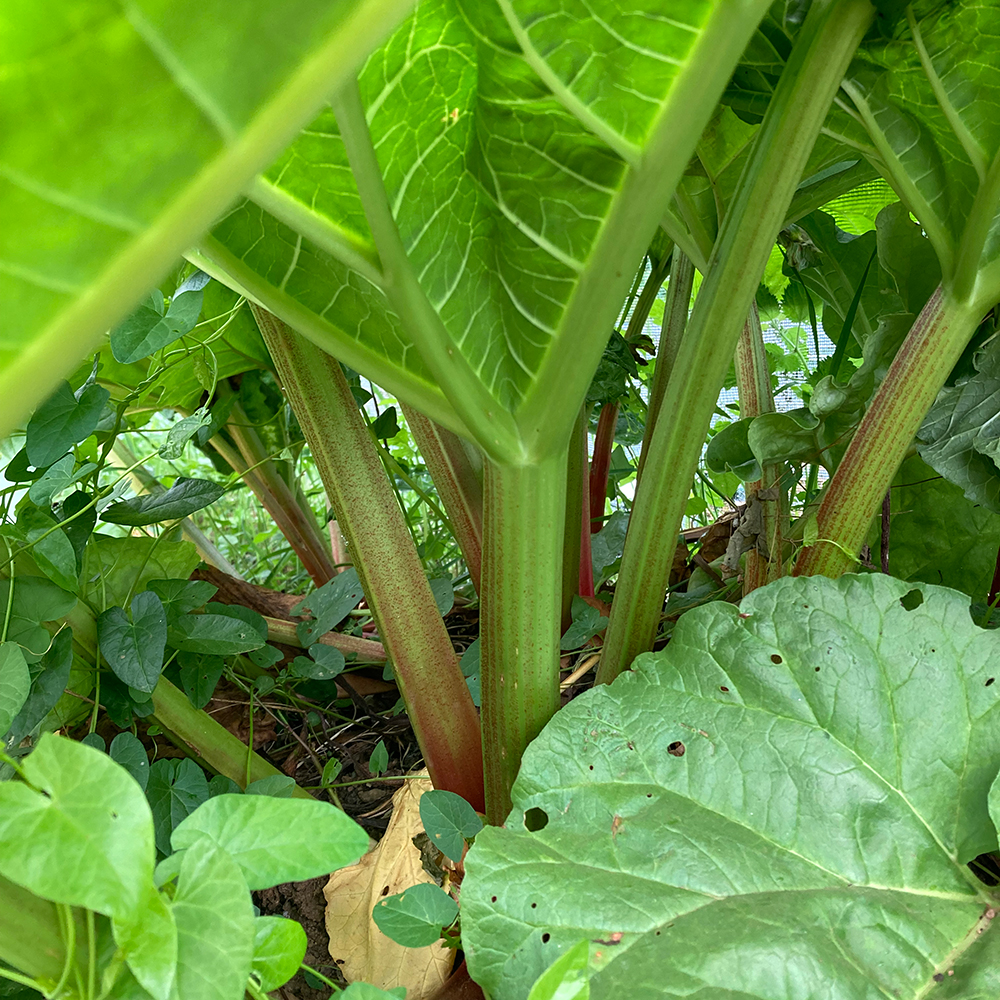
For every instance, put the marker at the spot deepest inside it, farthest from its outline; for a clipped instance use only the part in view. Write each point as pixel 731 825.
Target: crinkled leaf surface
pixel 959 436
pixel 85 837
pixel 275 840
pixel 793 785
pixel 88 230
pixel 502 132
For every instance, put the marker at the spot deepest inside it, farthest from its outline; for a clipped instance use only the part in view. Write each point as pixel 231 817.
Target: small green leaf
pixel 200 676
pixel 729 451
pixel 183 498
pixel 323 663
pixel 134 649
pixel 607 545
pixel 15 684
pixel 128 751
pixel 385 426
pixel 444 594
pixel 275 840
pixel 331 771
pixel 182 431
pixel 91 841
pixel 149 942
pixel 146 331
pixel 329 605
pixel 278 786
pixel 61 421
pixel 379 760
pixel 56 478
pixel 266 657
pixel 181 596
pixel 449 821
pixel 221 785
pixel 587 622
pixel 36 600
pixel 415 918
pixel 223 634
pixel 365 991
pixel 176 788
pixel 566 978
pixel 278 950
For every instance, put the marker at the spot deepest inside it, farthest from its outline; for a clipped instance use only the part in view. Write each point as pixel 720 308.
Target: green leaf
pixel 379 760
pixel 278 950
pixel 50 546
pixel 55 479
pixel 35 600
pixel 587 622
pixel 331 770
pixel 47 687
pixel 729 451
pixel 329 605
pixel 365 991
pixel 149 944
pixel 275 840
pixel 606 547
pixel 937 535
pixel 128 751
pixel 134 649
pixel 221 634
pixel 384 426
pixel 449 821
pixel 92 228
pixel 200 676
pixel 798 764
pixel 181 596
pixel 266 657
pixel 415 918
pixel 61 421
pixel 215 926
pixel 958 436
pixel 444 593
pixel 181 432
pixel 278 786
pixel 221 785
pixel 146 331
pixel 183 498
pixel 176 788
pixel 15 684
pixel 323 663
pixel 566 978
pixel 83 835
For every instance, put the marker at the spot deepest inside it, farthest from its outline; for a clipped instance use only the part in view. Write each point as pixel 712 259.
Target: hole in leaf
pixel 545 938
pixel 649 795
pixel 534 906
pixel 990 680
pixel 912 600
pixel 592 767
pixel 493 899
pixel 817 670
pixel 385 891
pixel 676 749
pixel 722 687
pixel 775 658
pixel 986 868
pixel 535 819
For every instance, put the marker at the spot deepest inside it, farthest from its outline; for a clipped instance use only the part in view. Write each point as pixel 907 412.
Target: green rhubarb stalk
pixel 457 472
pixel 519 619
pixel 427 672
pixel 916 375
pixel 753 379
pixel 826 43
pixel 260 473
pixel 675 317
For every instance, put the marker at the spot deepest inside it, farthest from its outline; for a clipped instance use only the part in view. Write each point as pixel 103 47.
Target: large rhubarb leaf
pixel 128 128
pixel 781 804
pixel 524 151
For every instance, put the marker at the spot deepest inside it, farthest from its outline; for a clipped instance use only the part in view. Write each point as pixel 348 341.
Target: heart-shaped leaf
pixel 134 648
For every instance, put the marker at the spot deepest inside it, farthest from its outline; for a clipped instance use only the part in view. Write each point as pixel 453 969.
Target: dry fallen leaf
pixel 362 952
